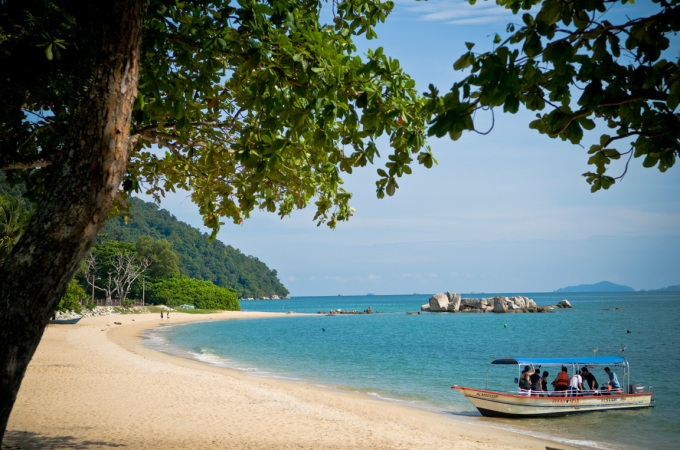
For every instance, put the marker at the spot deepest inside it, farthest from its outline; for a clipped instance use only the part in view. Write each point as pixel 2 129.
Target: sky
pixel 508 212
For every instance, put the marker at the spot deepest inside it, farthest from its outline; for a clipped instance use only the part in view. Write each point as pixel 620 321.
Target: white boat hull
pixel 498 404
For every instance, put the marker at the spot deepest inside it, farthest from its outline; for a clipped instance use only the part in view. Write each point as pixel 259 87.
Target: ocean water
pixel 414 359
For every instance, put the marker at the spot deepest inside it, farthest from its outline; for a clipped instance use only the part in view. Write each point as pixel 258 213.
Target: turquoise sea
pixel 414 359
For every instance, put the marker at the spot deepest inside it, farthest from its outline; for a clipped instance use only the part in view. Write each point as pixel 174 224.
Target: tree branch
pixel 25 164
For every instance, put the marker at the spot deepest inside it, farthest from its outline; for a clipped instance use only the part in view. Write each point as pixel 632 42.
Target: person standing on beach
pixel 168 315
pixel 161 315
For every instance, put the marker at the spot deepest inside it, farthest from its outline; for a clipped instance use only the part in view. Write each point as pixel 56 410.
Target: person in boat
pixel 589 378
pixel 576 384
pixel 613 384
pixel 525 378
pixel 544 381
pixel 535 379
pixel 561 382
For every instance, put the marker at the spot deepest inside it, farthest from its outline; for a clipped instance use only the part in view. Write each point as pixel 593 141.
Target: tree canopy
pixel 579 70
pixel 254 105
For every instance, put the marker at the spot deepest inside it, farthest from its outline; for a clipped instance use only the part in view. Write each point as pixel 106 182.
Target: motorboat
pixel 506 399
pixel 72 321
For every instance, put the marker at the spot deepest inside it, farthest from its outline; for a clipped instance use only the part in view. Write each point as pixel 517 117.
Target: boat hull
pixel 65 321
pixel 498 404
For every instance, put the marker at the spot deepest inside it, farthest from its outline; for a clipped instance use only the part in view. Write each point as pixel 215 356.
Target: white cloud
pixel 455 12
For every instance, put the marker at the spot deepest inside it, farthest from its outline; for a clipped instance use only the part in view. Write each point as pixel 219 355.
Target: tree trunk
pixel 83 184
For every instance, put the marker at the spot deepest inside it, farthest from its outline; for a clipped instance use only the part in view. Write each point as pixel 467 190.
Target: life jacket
pixel 562 379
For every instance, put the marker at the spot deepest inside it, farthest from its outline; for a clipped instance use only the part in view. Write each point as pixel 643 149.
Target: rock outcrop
pixel 447 302
pixel 439 302
pixel 333 312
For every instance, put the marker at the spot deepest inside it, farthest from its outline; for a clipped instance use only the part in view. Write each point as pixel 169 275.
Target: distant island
pixel 602 286
pixel 607 286
pixel 674 288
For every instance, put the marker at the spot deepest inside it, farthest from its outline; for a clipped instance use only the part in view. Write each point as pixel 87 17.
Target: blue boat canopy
pixel 577 360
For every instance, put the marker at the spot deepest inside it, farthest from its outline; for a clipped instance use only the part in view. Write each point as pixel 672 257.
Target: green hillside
pixel 200 258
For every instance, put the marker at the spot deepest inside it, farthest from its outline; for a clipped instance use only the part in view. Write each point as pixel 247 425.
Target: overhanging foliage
pixel 578 70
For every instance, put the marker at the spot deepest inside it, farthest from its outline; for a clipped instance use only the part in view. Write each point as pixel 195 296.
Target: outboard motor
pixel 636 388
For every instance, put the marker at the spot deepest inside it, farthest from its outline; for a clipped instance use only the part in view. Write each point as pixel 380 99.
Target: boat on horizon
pixel 518 403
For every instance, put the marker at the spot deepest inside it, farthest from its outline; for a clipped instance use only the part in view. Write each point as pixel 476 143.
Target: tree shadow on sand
pixel 27 440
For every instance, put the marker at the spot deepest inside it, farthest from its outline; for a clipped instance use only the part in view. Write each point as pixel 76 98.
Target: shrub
pixel 182 290
pixel 72 297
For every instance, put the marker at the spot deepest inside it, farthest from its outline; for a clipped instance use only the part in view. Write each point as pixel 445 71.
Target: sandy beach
pixel 93 385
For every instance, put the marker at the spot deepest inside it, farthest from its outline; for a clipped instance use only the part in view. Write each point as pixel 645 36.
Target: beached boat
pixel 65 321
pixel 516 403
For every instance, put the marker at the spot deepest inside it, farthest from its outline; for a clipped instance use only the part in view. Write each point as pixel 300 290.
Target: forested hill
pixel 199 257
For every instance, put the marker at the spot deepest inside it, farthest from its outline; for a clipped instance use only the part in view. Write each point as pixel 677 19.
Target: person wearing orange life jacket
pixel 561 382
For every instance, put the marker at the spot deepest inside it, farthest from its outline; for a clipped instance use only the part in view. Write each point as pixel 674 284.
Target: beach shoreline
pixel 95 385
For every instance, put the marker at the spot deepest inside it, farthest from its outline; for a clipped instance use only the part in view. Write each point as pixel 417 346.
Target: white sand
pixel 93 385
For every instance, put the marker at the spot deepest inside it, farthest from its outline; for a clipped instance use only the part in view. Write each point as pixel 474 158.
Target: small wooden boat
pixel 517 403
pixel 65 321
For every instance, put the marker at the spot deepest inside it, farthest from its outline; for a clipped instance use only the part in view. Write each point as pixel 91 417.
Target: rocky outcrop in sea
pixel 333 312
pixel 447 302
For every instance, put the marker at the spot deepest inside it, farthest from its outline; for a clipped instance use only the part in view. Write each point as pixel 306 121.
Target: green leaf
pixel 650 161
pixel 586 123
pixel 391 187
pixel 550 12
pixel 464 61
pixel 532 45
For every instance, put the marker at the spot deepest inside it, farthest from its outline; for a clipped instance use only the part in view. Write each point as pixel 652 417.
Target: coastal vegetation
pixel 118 273
pixel 265 105
pixel 72 298
pixel 199 257
pixel 128 262
pixel 148 272
pixel 179 291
